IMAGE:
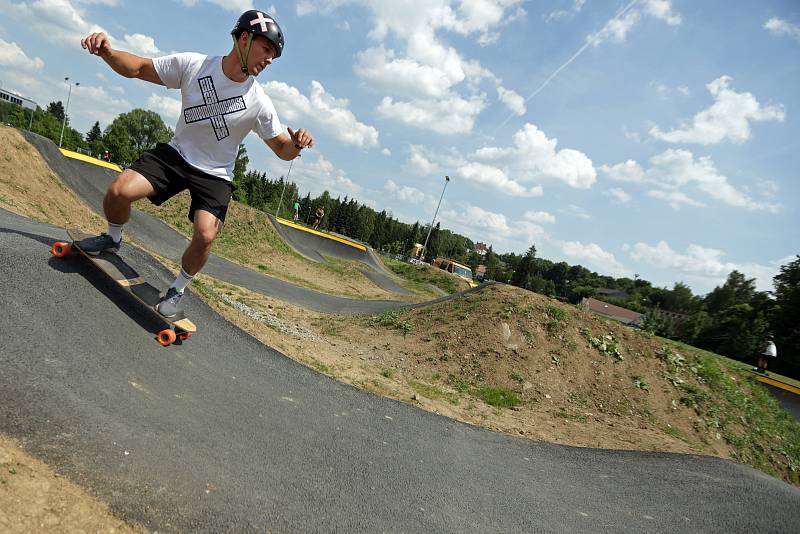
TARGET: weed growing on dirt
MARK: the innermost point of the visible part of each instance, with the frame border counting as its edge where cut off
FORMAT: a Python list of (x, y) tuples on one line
[(606, 344), (390, 319), (640, 383)]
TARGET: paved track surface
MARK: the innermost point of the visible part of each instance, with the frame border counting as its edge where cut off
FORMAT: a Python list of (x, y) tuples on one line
[(317, 248), (223, 434)]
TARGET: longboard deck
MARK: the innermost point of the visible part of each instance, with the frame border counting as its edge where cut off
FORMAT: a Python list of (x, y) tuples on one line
[(130, 280)]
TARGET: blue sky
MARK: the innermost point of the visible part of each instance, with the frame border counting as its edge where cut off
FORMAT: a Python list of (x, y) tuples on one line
[(649, 137)]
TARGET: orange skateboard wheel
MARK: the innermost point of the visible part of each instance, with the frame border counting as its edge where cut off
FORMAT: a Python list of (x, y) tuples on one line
[(166, 337), (184, 336), (61, 249)]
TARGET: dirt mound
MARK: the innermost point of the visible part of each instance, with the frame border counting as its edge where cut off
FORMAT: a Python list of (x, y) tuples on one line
[(522, 363), (29, 187)]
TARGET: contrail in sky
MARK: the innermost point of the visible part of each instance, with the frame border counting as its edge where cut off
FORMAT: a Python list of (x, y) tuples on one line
[(570, 60)]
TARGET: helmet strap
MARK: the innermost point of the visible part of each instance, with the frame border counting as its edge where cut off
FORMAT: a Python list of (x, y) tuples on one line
[(243, 60)]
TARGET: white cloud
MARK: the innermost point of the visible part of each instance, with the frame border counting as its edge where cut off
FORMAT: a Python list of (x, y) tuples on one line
[(404, 193), (561, 14), (534, 158), (594, 256), (321, 110), (629, 171), (674, 169), (12, 56), (419, 163), (675, 198), (492, 227), (618, 194), (316, 174), (728, 118), (515, 170), (617, 29), (141, 45), (429, 81), (512, 100), (386, 152), (665, 91), (778, 26), (705, 263), (62, 22), (84, 102), (495, 177), (401, 76), (169, 108), (539, 217), (575, 211), (453, 115)]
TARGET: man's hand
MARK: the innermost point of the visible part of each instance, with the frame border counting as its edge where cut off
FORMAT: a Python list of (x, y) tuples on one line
[(96, 43), (301, 138)]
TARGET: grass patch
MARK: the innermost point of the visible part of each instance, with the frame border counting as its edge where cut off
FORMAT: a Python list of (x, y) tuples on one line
[(433, 392), (498, 397), (389, 319), (421, 276)]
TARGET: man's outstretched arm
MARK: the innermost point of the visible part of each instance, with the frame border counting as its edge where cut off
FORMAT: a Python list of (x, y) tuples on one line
[(288, 146), (123, 63)]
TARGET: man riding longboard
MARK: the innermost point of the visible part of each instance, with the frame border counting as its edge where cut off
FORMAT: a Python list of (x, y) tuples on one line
[(221, 104)]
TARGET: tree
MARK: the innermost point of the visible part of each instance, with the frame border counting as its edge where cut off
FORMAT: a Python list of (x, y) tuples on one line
[(94, 139), (132, 133), (784, 317), (56, 109), (240, 166)]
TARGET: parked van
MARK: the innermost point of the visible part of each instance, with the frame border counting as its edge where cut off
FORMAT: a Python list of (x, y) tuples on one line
[(453, 267)]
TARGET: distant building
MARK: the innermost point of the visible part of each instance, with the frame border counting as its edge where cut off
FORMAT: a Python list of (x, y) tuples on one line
[(613, 293), (617, 313), (481, 249), (14, 98)]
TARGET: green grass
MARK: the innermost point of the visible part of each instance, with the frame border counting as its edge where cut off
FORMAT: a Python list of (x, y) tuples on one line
[(739, 409), (420, 276), (391, 319), (499, 397)]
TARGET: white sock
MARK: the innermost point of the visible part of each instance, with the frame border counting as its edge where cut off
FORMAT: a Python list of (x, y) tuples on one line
[(115, 231), (182, 281)]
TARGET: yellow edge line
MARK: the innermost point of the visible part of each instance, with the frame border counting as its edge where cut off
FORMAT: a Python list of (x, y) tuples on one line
[(778, 384), (321, 234), (89, 159)]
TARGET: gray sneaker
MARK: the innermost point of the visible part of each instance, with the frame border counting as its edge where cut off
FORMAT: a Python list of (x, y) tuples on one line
[(98, 244), (170, 304)]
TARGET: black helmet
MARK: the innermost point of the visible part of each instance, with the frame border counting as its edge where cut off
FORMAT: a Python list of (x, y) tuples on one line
[(258, 23)]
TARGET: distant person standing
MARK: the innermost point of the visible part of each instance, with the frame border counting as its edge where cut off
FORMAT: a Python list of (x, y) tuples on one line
[(769, 351), (296, 216), (320, 213)]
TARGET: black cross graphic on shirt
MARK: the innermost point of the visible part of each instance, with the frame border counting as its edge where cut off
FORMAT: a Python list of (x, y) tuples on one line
[(213, 109)]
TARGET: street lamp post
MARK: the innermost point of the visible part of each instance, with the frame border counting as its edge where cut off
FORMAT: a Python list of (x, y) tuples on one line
[(64, 122), (425, 246)]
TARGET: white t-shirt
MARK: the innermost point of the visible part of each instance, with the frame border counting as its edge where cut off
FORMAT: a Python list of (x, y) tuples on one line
[(216, 112), (770, 350)]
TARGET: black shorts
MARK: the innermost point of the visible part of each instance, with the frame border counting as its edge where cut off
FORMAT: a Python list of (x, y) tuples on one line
[(170, 174)]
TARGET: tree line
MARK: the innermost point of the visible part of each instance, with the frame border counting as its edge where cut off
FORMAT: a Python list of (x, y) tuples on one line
[(732, 320)]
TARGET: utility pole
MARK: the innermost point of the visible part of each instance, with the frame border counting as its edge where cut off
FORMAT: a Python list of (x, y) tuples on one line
[(425, 246), (64, 122)]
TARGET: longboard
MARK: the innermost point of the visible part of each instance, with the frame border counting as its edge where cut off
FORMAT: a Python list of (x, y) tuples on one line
[(129, 280)]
